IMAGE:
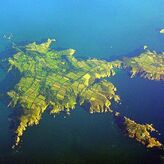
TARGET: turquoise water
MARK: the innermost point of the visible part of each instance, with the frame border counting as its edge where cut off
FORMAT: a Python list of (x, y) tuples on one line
[(96, 28)]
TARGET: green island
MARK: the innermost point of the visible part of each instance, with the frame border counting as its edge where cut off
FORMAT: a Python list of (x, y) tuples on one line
[(55, 81)]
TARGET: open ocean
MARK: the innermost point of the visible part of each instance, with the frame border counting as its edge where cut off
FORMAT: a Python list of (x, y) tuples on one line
[(103, 29)]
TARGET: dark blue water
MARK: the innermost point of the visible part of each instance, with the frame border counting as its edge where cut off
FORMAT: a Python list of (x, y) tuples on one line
[(96, 28)]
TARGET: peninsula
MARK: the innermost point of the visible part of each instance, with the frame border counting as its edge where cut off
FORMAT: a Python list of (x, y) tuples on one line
[(149, 65)]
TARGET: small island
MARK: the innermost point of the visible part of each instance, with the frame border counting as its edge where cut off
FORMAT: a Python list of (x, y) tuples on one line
[(162, 31), (141, 132)]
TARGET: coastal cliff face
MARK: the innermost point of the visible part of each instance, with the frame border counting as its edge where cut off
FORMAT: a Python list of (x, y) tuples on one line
[(56, 81)]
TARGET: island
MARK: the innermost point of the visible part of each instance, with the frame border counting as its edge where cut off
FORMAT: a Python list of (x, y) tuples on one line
[(141, 132), (162, 31), (56, 81)]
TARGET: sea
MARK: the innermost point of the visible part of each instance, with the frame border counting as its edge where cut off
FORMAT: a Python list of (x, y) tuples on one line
[(102, 29)]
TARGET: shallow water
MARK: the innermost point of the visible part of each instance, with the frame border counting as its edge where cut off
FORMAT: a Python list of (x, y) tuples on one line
[(103, 29)]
